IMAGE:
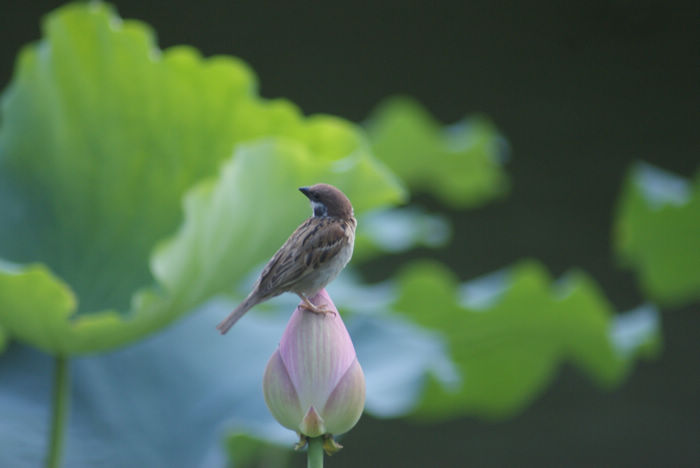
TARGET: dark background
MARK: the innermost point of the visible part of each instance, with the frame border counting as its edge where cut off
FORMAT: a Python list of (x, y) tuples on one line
[(580, 90)]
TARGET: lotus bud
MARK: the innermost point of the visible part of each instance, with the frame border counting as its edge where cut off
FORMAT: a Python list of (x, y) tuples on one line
[(313, 383)]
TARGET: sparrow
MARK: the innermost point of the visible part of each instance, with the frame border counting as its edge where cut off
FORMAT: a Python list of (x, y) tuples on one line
[(312, 256)]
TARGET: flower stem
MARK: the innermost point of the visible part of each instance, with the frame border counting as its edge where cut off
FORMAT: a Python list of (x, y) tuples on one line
[(315, 453), (61, 396)]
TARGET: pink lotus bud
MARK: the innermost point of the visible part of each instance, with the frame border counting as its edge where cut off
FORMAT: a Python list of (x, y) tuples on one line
[(313, 383)]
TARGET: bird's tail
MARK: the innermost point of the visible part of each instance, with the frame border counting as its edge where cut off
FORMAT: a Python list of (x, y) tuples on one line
[(237, 313)]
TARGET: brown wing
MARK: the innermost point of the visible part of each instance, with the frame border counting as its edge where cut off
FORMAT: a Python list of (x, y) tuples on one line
[(315, 241)]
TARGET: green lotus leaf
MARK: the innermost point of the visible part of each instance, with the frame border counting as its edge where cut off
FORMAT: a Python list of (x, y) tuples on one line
[(102, 134), (249, 451), (462, 164), (657, 233), (229, 228), (508, 333), (26, 292)]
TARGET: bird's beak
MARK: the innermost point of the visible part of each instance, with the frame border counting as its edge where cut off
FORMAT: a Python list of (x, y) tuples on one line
[(305, 191)]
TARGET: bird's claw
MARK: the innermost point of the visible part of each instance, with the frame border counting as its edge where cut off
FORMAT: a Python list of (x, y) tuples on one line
[(308, 305)]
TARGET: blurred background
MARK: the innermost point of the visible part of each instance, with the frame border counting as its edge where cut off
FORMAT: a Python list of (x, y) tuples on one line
[(580, 90)]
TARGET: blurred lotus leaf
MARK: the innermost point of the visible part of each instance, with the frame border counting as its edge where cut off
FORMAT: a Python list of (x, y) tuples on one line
[(136, 184), (657, 233), (462, 164), (102, 134), (508, 333)]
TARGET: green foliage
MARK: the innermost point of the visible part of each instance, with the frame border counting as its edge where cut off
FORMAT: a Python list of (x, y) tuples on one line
[(250, 452), (102, 135), (138, 184), (3, 339), (657, 233), (461, 163), (510, 332), (25, 292)]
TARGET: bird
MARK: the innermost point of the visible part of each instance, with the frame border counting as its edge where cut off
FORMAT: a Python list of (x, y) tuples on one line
[(312, 257)]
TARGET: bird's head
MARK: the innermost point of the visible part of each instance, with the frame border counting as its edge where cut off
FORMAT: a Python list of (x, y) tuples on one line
[(327, 200)]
